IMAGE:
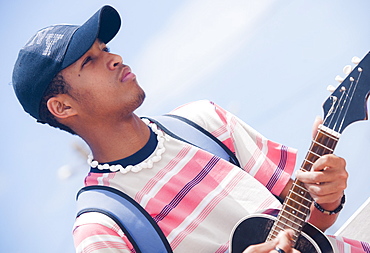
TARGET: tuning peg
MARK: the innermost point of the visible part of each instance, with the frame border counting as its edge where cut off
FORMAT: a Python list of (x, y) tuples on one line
[(347, 69), (356, 60), (339, 79), (330, 88)]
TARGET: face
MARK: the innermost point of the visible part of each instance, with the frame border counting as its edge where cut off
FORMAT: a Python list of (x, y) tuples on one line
[(102, 86)]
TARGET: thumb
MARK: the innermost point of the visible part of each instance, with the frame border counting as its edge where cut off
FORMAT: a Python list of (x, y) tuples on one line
[(316, 123)]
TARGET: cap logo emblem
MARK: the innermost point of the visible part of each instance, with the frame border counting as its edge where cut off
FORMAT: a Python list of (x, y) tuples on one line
[(43, 37)]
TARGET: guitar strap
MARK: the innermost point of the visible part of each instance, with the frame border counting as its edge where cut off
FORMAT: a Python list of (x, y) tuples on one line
[(142, 231), (139, 227), (190, 132)]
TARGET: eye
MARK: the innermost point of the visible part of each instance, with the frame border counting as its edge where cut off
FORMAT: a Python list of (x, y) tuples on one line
[(106, 49), (87, 59)]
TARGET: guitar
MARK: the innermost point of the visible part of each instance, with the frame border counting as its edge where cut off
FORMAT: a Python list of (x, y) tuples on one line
[(347, 104)]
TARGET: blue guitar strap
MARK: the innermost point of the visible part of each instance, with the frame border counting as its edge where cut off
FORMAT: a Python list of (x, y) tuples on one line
[(139, 227), (178, 127)]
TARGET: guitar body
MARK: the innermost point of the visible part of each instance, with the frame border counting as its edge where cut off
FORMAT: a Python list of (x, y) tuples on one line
[(255, 228)]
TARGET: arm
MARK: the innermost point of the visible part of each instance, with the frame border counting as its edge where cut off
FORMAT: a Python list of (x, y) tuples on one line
[(96, 232)]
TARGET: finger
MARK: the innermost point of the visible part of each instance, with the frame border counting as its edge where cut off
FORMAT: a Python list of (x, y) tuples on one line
[(327, 168), (262, 247), (329, 161), (324, 191), (284, 241), (326, 198), (316, 123), (327, 179)]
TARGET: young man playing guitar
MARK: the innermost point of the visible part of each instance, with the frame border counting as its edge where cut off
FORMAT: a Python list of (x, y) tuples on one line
[(65, 76)]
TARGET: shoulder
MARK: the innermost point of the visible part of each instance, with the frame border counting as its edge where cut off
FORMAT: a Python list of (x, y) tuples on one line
[(203, 112), (196, 107)]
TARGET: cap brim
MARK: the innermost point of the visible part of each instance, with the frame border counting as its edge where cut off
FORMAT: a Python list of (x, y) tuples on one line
[(104, 24)]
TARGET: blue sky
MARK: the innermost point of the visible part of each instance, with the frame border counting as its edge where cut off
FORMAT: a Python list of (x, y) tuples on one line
[(267, 61)]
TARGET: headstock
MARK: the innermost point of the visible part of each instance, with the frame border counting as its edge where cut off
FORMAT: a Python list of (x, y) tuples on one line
[(347, 103)]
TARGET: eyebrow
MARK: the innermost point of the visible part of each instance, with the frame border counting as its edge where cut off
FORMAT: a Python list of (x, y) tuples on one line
[(84, 59)]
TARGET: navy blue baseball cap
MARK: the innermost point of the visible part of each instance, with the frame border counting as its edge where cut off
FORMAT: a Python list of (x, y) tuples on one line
[(54, 48)]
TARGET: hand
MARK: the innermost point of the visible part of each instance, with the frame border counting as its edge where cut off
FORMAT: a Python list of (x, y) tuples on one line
[(327, 179), (282, 241)]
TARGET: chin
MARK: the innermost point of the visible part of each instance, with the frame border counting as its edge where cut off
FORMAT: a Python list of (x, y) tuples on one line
[(141, 97)]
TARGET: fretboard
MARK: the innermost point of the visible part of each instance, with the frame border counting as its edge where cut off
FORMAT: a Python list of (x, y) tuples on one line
[(296, 206)]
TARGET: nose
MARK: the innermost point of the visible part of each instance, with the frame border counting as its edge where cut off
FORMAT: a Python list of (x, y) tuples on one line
[(114, 61)]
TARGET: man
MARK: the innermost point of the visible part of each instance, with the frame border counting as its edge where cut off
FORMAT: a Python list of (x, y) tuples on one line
[(73, 82)]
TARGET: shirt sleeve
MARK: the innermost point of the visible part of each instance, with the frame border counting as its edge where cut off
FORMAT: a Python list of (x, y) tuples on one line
[(271, 163), (345, 245), (95, 232)]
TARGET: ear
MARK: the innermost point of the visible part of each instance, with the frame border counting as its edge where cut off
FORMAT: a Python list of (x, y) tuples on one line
[(61, 107)]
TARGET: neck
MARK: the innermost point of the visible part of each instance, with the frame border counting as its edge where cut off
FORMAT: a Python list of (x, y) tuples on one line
[(114, 141)]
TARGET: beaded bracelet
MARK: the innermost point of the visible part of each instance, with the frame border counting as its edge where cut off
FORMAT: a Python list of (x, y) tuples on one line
[(336, 210)]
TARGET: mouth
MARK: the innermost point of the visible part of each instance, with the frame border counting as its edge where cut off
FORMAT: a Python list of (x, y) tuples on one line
[(126, 74)]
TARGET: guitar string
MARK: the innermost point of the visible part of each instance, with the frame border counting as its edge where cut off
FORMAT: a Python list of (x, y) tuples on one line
[(342, 103), (351, 97), (277, 225), (337, 105), (342, 106)]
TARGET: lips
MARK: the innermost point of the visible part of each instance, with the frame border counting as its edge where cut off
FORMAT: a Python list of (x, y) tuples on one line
[(126, 73)]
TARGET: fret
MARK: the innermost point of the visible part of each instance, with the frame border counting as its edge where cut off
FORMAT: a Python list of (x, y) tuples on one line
[(282, 224), (301, 195), (300, 186), (313, 153), (307, 167), (294, 210), (299, 207), (277, 228), (274, 234), (295, 217), (319, 151), (323, 146), (299, 203), (326, 139), (300, 191), (308, 161)]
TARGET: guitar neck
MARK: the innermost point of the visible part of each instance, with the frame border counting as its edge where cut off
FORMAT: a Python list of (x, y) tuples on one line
[(296, 206)]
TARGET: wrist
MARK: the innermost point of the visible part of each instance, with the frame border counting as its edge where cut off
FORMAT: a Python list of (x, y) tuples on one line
[(331, 212)]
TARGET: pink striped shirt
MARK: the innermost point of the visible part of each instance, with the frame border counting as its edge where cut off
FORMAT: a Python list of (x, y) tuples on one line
[(195, 197)]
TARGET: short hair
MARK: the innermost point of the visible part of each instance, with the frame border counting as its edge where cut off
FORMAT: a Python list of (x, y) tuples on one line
[(57, 86)]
